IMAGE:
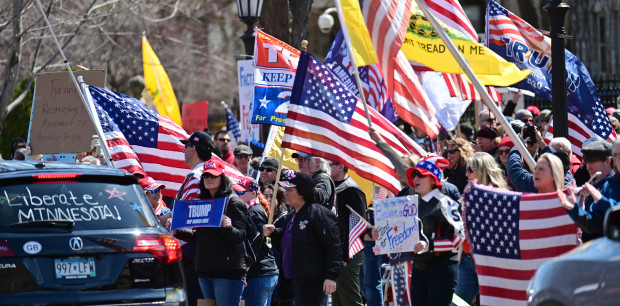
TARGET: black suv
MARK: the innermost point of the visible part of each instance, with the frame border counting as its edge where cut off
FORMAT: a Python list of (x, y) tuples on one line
[(81, 234)]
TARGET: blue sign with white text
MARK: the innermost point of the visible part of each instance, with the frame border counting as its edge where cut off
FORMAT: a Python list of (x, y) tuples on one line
[(200, 213)]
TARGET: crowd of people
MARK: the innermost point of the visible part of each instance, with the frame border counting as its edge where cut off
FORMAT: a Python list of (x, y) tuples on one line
[(302, 256)]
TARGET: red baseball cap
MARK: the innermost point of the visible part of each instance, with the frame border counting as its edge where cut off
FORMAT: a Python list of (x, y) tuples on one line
[(148, 183), (213, 167)]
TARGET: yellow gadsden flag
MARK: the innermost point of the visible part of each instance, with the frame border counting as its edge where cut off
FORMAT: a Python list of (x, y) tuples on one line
[(157, 83), (423, 45), (360, 38), (274, 150)]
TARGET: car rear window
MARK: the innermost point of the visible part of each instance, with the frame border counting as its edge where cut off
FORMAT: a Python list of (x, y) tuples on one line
[(91, 205)]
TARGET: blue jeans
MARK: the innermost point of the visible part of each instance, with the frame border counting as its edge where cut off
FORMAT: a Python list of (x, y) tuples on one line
[(372, 276), (259, 290), (467, 284), (223, 291)]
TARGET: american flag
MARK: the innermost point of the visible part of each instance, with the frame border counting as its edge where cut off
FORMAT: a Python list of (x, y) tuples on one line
[(401, 282), (451, 13), (232, 125), (325, 119), (140, 140), (387, 22), (372, 80), (357, 227), (460, 87), (511, 235), (586, 115)]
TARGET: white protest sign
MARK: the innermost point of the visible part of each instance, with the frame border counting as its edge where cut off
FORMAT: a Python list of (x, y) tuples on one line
[(396, 222), (249, 131)]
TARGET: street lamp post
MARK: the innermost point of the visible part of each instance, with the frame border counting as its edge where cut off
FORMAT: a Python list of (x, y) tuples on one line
[(249, 13), (556, 10)]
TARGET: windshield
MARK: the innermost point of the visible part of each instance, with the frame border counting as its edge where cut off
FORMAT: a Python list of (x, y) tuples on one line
[(91, 205)]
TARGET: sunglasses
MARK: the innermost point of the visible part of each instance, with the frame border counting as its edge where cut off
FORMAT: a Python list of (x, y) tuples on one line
[(188, 145), (502, 152), (452, 151), (223, 139), (154, 191), (240, 192), (334, 164), (527, 120), (209, 175), (418, 174), (243, 156), (266, 170)]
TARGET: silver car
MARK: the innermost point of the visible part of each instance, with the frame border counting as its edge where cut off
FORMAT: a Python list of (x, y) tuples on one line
[(588, 275)]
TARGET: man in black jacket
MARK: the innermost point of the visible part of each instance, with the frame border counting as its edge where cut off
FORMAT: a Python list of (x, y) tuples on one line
[(348, 193), (310, 243)]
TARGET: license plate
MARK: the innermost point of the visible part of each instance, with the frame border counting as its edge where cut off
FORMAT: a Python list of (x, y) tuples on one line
[(74, 268)]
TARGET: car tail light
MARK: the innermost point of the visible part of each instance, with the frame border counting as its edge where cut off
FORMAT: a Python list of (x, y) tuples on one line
[(166, 248), (56, 176), (5, 249)]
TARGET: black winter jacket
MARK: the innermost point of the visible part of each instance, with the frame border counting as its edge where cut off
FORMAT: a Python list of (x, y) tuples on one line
[(316, 243), (220, 252), (265, 264)]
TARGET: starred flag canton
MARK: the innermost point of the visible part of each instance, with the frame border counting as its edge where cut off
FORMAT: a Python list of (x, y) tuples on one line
[(325, 93), (496, 9), (232, 124), (493, 220), (597, 119), (137, 122)]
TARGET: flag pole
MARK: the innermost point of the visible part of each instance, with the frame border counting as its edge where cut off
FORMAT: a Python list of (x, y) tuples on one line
[(347, 38), (486, 98), (90, 107), (79, 88)]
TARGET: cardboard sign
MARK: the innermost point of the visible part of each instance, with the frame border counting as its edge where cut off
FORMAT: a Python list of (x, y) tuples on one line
[(202, 213), (397, 224), (195, 116), (249, 131), (60, 122)]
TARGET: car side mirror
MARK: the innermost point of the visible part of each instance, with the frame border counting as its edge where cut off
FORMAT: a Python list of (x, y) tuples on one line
[(612, 223)]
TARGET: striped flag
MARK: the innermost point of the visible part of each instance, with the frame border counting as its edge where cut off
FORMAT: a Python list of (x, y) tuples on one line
[(357, 227), (451, 13), (387, 22), (401, 282), (518, 42), (511, 235), (140, 140), (460, 87), (325, 119), (232, 125)]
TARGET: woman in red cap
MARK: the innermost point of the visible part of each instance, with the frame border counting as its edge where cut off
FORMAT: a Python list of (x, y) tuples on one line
[(435, 256), (220, 254)]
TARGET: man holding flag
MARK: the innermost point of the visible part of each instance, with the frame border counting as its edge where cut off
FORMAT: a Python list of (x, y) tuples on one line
[(349, 197)]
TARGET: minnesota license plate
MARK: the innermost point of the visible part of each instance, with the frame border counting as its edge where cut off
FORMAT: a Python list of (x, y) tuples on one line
[(74, 268)]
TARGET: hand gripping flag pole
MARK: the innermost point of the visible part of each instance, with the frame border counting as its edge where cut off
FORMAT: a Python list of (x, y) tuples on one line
[(80, 89), (486, 98)]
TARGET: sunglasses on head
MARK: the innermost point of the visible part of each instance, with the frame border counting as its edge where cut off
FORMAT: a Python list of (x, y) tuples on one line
[(502, 152), (224, 139), (209, 175), (266, 170)]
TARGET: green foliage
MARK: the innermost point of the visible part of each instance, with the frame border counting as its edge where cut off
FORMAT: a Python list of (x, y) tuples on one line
[(17, 122)]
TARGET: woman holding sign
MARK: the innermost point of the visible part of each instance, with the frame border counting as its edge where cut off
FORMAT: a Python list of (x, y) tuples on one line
[(435, 256), (310, 243), (220, 255)]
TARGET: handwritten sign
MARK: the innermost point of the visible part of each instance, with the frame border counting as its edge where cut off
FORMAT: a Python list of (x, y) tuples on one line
[(195, 116), (34, 204), (249, 131), (60, 121), (202, 213), (396, 222)]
